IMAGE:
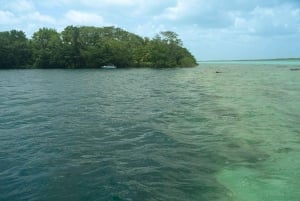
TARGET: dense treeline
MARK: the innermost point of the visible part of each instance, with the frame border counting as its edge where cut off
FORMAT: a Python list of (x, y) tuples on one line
[(91, 47)]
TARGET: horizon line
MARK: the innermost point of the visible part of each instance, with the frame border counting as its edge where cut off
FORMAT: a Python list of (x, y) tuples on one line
[(265, 59)]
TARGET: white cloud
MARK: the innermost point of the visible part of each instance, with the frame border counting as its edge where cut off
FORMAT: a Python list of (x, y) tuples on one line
[(56, 3), (23, 12), (202, 25), (268, 21), (180, 10), (176, 12), (19, 6), (7, 17), (105, 3), (119, 2), (38, 17), (84, 18), (203, 13), (10, 19)]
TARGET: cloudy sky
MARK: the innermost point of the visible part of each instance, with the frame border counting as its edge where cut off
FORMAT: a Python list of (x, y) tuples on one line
[(210, 29)]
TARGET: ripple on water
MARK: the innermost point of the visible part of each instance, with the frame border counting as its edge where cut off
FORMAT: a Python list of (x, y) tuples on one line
[(144, 134)]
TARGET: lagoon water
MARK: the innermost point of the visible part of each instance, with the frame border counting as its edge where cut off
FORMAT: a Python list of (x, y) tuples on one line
[(145, 134)]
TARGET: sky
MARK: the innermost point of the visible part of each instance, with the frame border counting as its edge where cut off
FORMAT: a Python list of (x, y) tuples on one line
[(210, 29)]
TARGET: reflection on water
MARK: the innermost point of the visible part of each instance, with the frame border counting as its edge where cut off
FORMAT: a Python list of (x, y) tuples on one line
[(143, 134)]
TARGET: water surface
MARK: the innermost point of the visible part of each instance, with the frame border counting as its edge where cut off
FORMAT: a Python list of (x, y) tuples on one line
[(144, 134)]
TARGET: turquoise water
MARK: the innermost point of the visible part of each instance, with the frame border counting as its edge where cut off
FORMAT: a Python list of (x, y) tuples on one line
[(144, 134), (276, 62)]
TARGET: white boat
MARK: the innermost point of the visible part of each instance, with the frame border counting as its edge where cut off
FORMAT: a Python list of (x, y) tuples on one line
[(109, 67)]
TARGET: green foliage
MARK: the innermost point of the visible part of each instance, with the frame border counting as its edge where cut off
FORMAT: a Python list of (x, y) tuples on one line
[(15, 50), (47, 49), (91, 47)]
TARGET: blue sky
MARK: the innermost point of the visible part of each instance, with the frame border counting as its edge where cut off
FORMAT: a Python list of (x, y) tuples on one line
[(210, 29)]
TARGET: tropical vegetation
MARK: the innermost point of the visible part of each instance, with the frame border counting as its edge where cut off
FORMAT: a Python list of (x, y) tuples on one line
[(91, 47)]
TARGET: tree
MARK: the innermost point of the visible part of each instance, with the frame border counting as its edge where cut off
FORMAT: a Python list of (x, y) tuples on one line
[(47, 49), (170, 38), (166, 50), (14, 50), (72, 46), (91, 47)]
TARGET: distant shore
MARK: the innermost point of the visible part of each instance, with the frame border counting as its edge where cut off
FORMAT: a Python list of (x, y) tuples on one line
[(252, 60)]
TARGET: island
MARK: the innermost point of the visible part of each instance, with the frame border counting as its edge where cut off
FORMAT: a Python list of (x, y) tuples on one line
[(91, 47)]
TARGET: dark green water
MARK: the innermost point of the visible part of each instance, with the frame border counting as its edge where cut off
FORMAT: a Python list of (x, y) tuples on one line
[(143, 134)]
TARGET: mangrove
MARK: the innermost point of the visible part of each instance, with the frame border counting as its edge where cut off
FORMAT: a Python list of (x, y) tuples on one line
[(91, 47)]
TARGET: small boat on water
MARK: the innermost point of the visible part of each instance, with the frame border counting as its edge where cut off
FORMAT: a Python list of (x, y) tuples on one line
[(111, 66)]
